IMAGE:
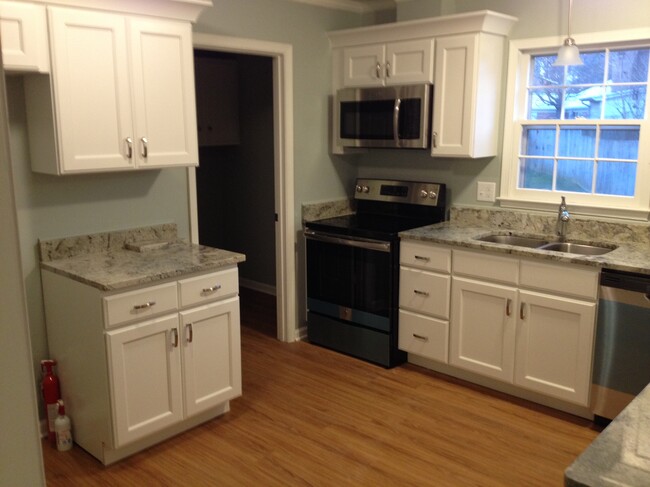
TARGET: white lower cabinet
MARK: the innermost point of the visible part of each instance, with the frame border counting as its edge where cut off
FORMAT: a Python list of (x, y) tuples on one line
[(541, 341), (140, 366), (553, 350), (517, 321), (145, 378), (483, 328)]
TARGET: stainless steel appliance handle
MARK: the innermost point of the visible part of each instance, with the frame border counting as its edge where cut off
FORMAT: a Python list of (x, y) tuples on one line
[(363, 243), (398, 102)]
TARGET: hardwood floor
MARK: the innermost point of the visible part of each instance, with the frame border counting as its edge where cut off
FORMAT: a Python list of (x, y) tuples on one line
[(310, 416)]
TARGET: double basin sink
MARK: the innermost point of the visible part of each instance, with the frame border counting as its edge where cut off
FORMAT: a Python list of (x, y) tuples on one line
[(544, 244)]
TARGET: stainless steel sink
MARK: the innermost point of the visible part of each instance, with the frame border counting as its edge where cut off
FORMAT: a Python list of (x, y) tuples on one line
[(546, 244), (516, 240), (576, 248)]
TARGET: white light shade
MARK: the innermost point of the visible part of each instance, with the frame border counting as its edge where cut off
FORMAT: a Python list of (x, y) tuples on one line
[(568, 55)]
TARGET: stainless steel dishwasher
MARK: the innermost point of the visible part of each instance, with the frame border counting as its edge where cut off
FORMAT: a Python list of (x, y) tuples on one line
[(622, 351)]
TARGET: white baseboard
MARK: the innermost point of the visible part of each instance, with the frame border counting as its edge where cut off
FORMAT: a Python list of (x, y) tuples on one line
[(257, 286), (301, 333)]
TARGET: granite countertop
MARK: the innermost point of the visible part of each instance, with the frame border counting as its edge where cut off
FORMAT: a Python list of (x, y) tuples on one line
[(119, 260), (620, 455), (627, 256)]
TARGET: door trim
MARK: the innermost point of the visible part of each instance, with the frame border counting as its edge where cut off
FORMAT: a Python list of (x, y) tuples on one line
[(285, 244)]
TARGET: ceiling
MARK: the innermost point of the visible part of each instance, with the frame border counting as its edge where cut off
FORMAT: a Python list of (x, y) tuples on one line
[(359, 6)]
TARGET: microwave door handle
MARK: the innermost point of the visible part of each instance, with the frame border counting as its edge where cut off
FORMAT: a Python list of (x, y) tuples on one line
[(398, 102)]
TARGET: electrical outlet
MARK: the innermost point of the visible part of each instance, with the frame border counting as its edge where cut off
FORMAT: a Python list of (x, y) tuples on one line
[(486, 191)]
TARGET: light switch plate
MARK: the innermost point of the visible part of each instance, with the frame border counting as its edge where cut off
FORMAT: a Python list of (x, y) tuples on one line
[(486, 191)]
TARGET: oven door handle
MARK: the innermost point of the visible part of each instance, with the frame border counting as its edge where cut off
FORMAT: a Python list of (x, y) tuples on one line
[(363, 243)]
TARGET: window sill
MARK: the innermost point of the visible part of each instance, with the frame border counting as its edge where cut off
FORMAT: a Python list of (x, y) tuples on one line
[(637, 215)]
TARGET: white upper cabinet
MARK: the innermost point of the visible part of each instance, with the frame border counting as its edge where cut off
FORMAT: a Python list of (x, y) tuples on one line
[(23, 33), (389, 64), (462, 55), (122, 95), (467, 95)]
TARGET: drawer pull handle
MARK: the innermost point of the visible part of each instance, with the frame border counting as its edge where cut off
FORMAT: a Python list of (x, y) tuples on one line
[(522, 308), (129, 147), (422, 258), (174, 332), (146, 305), (421, 293), (378, 70), (421, 337), (190, 332), (211, 289), (145, 147), (508, 305)]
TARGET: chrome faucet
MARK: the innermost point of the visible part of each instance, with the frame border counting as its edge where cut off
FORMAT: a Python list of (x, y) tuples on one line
[(563, 218)]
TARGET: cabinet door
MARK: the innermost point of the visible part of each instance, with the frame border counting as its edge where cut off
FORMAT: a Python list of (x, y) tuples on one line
[(554, 346), (163, 88), (211, 355), (363, 65), (23, 31), (409, 62), (453, 100), (483, 328), (145, 378), (92, 96)]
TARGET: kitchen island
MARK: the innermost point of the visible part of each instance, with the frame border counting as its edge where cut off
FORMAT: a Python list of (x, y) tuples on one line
[(620, 455)]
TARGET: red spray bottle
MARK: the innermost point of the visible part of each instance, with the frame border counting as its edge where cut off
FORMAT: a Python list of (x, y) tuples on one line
[(51, 396)]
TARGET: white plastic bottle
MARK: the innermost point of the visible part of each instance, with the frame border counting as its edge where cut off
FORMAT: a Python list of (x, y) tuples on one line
[(62, 429)]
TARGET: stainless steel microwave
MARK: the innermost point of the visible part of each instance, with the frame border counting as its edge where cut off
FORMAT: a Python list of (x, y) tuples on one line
[(394, 116)]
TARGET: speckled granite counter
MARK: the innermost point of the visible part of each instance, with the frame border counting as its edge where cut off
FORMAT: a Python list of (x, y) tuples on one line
[(620, 455), (103, 261), (632, 240)]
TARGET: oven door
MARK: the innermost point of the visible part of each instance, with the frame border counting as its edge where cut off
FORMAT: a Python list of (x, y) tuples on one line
[(349, 279)]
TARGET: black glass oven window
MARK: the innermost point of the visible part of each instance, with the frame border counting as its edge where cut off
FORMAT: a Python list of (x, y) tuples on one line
[(349, 276), (373, 120)]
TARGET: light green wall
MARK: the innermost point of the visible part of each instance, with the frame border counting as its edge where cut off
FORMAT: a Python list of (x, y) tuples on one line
[(58, 206), (536, 19)]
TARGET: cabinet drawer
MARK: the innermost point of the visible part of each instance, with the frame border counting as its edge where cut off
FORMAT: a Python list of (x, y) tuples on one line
[(570, 280), (487, 266), (140, 304), (424, 336), (425, 256), (208, 287), (424, 292)]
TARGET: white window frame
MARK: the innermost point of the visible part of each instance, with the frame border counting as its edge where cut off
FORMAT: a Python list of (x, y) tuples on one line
[(633, 208)]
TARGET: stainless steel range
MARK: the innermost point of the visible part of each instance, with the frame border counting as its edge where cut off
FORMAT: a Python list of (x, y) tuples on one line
[(353, 267)]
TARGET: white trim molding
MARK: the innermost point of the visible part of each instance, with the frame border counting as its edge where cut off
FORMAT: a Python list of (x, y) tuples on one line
[(635, 208), (285, 235)]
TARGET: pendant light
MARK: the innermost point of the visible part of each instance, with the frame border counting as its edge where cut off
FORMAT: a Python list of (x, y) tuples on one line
[(568, 55)]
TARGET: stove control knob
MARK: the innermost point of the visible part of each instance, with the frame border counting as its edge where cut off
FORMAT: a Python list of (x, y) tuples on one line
[(432, 195), (424, 193), (358, 188), (365, 189)]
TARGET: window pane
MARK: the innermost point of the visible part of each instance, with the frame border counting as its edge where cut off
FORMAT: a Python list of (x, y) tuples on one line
[(627, 102), (583, 103), (536, 173), (629, 65), (544, 73), (574, 176), (577, 141), (617, 178), (544, 104), (619, 143), (592, 71), (538, 141)]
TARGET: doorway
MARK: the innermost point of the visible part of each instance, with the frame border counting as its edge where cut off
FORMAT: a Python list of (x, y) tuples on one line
[(237, 202)]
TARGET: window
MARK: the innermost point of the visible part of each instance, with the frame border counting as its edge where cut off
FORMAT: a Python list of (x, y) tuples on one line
[(578, 131)]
